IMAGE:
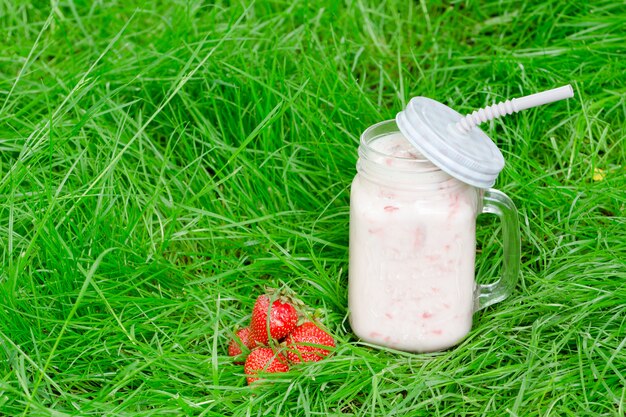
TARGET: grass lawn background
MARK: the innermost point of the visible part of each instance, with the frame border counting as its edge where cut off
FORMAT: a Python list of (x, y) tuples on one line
[(161, 163)]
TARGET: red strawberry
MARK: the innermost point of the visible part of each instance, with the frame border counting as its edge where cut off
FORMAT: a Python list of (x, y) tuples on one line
[(282, 320), (301, 339), (241, 339), (266, 360)]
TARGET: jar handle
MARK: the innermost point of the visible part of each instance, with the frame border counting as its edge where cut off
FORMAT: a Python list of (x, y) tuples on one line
[(498, 203)]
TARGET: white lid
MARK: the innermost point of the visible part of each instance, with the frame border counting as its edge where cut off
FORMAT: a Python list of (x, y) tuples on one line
[(470, 156)]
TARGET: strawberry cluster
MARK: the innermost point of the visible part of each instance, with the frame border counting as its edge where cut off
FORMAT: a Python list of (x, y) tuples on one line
[(279, 335)]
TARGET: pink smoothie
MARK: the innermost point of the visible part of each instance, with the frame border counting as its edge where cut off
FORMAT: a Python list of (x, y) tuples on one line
[(412, 250)]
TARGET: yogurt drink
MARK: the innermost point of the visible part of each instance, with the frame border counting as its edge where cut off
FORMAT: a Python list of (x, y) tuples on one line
[(421, 182), (412, 247)]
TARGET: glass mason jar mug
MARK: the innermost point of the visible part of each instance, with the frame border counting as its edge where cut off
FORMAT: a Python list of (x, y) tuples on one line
[(413, 245)]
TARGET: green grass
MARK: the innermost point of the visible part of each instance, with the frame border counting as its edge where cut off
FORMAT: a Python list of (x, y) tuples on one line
[(161, 163)]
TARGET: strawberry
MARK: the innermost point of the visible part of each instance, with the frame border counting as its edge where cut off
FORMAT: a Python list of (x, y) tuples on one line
[(283, 318), (300, 340), (266, 360), (239, 342)]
